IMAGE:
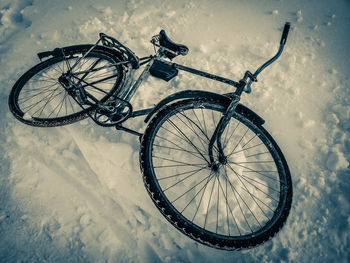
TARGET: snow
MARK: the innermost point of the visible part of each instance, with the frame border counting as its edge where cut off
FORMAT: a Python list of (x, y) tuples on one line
[(75, 193)]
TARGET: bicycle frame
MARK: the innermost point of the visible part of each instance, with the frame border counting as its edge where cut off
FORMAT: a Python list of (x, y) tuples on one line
[(129, 89)]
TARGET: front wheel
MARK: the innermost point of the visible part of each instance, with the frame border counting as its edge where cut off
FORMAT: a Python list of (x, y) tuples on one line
[(237, 204)]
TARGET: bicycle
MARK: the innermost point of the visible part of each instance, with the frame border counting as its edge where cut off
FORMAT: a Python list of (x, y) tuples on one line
[(208, 164)]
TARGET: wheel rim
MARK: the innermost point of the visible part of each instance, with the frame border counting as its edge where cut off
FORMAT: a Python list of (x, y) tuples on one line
[(239, 199), (43, 98)]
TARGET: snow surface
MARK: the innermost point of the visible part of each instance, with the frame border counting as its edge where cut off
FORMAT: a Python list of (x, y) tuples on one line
[(75, 193)]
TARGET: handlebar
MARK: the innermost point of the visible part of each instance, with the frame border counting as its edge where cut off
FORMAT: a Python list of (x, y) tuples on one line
[(285, 33), (253, 77)]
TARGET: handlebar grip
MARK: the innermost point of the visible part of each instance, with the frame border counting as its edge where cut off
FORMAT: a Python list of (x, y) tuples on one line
[(285, 33)]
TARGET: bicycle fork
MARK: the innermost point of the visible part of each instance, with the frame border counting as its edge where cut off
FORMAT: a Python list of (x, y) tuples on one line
[(218, 133)]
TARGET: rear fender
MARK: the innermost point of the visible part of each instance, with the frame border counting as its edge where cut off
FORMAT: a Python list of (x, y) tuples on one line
[(186, 94), (68, 51)]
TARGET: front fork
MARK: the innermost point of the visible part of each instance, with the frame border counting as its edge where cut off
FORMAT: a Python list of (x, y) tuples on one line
[(223, 124), (218, 133)]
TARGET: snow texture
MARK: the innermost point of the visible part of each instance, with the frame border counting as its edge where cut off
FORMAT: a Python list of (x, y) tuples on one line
[(75, 193)]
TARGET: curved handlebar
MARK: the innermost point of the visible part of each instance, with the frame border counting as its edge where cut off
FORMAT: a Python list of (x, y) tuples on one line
[(285, 33), (253, 77)]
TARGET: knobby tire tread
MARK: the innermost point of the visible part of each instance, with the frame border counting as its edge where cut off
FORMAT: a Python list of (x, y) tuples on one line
[(173, 216)]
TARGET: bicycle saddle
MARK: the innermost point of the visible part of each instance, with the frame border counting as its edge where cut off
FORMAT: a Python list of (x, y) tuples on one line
[(166, 42)]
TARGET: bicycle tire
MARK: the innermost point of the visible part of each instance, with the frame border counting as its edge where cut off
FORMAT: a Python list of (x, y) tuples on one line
[(38, 99), (168, 154)]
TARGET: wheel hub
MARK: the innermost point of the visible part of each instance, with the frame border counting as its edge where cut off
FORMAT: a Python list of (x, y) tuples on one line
[(223, 159), (215, 166), (65, 82), (74, 89)]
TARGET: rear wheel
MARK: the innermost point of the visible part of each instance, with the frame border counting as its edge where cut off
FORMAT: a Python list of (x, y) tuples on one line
[(238, 204), (41, 97)]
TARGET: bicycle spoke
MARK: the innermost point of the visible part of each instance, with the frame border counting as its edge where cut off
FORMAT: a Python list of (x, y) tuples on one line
[(239, 141), (211, 193), (257, 154), (91, 67), (50, 99), (175, 175), (225, 142), (200, 190), (255, 162), (199, 123), (273, 189), (70, 103), (179, 147), (200, 201), (38, 102), (178, 165), (217, 207), (182, 181), (188, 140), (245, 149), (192, 129), (82, 61), (64, 101), (61, 68), (257, 189), (58, 71), (251, 195), (38, 90), (249, 141), (166, 159), (212, 114), (227, 131), (93, 74), (199, 126), (65, 105), (255, 197), (45, 90), (43, 79), (88, 68), (228, 206), (228, 222), (58, 105), (258, 172), (50, 74), (239, 204)]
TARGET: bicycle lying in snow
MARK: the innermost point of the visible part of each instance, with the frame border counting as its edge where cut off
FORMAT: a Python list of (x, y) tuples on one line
[(208, 164)]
